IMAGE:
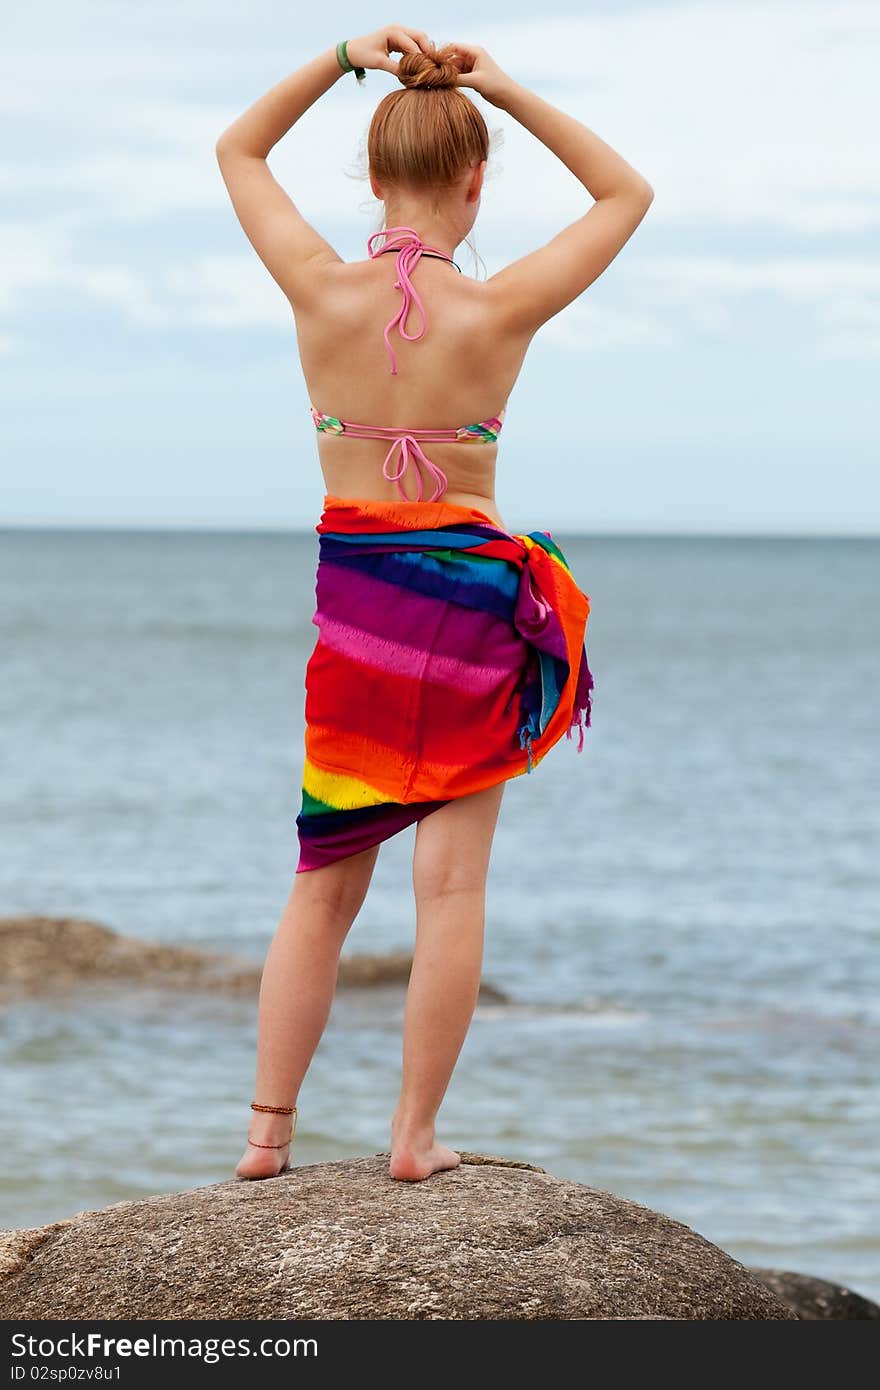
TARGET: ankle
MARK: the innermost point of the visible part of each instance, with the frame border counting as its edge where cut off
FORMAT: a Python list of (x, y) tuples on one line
[(271, 1125), (413, 1130), (269, 1129)]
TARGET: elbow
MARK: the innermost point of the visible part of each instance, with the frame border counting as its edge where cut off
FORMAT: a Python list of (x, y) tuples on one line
[(636, 192), (227, 144)]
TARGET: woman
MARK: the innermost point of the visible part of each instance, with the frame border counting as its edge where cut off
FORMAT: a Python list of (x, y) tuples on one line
[(450, 654)]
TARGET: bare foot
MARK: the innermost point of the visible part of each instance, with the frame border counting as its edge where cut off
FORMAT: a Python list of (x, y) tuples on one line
[(416, 1155), (412, 1165), (262, 1163), (266, 1163)]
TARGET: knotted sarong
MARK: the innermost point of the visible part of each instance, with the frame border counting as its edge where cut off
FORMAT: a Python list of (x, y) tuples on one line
[(450, 656)]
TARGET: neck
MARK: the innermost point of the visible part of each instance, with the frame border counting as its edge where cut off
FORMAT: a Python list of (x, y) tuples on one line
[(432, 232)]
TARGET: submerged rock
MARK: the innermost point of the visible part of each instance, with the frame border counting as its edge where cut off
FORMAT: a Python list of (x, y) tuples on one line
[(41, 954), (492, 1239), (813, 1298)]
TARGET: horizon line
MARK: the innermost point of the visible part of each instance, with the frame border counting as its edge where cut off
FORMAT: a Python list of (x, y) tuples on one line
[(190, 528)]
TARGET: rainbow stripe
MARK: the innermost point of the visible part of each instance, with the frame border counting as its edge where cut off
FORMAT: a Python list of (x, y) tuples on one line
[(450, 656), (483, 432)]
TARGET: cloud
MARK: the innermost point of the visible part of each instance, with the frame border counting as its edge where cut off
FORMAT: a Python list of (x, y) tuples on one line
[(752, 114), (34, 253), (749, 114), (223, 291), (750, 120), (742, 314)]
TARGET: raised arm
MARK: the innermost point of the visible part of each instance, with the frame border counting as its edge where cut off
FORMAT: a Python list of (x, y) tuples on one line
[(287, 244), (292, 250), (531, 290)]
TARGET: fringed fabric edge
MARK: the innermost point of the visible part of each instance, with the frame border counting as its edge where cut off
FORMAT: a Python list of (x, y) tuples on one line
[(583, 704)]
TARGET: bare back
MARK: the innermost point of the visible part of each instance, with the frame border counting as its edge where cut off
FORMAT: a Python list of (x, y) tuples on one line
[(461, 370)]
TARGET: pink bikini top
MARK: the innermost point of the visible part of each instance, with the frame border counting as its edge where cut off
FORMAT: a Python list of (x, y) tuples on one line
[(410, 249)]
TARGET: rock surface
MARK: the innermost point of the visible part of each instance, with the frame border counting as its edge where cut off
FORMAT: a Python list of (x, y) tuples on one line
[(42, 954), (490, 1240), (813, 1298)]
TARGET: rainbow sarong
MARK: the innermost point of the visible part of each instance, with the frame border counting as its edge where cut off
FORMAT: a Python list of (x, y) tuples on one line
[(450, 656)]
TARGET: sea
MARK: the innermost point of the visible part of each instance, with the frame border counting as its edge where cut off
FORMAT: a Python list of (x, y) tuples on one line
[(684, 917)]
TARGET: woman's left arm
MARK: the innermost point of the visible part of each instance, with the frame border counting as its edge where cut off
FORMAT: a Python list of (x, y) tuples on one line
[(289, 247)]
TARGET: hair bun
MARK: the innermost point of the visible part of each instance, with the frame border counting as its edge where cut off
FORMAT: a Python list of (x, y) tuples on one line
[(427, 70)]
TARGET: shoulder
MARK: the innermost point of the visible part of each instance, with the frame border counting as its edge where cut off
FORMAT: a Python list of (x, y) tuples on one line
[(325, 281)]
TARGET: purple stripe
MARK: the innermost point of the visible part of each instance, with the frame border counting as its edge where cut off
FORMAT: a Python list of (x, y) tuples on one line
[(425, 623), (377, 823)]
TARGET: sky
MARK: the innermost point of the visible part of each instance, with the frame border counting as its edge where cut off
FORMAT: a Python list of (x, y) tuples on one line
[(717, 377)]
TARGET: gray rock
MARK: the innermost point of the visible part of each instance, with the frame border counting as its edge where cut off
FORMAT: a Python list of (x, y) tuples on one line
[(490, 1240), (813, 1298), (39, 955)]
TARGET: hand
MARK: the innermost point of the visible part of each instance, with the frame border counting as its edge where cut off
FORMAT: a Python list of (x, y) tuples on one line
[(372, 50), (481, 72)]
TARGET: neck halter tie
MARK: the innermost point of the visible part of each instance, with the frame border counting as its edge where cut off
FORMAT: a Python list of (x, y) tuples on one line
[(409, 251)]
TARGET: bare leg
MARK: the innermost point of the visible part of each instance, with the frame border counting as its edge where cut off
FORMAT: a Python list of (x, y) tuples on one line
[(450, 864), (296, 993)]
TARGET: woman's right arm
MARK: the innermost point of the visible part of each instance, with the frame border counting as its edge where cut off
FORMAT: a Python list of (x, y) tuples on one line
[(531, 290)]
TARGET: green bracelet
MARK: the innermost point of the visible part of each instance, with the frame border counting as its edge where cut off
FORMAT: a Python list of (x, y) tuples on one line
[(345, 64)]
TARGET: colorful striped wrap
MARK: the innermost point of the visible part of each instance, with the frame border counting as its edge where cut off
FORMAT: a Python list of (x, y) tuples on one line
[(450, 657)]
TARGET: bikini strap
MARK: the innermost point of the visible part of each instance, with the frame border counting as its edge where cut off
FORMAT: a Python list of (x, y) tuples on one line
[(410, 249)]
